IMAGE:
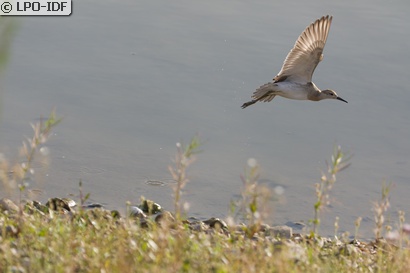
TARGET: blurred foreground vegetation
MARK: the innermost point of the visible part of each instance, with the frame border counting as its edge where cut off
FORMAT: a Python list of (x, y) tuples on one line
[(63, 236), (99, 241)]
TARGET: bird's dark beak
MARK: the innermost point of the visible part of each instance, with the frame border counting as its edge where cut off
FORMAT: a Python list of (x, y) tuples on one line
[(339, 98)]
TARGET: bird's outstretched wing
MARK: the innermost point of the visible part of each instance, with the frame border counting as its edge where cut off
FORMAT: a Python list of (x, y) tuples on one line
[(305, 55)]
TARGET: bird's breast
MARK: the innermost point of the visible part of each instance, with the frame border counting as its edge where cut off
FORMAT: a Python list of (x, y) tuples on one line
[(293, 90)]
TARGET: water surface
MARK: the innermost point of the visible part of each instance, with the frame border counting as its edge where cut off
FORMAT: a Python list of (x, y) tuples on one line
[(133, 78)]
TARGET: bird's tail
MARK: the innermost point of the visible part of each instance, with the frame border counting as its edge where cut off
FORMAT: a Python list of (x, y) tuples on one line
[(263, 93)]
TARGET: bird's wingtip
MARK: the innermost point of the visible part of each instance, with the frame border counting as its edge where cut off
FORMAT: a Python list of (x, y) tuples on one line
[(246, 104)]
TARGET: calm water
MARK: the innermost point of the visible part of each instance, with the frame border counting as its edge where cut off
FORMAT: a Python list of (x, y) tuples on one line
[(132, 79)]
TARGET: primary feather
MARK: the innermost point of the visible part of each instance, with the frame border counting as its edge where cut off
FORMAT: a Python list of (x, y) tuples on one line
[(305, 55)]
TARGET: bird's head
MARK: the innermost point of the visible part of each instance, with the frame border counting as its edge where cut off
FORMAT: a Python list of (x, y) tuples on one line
[(330, 94)]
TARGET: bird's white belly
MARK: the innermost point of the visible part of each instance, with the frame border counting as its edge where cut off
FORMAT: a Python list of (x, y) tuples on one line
[(292, 90)]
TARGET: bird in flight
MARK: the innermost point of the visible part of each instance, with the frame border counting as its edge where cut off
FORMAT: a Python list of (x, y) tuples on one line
[(294, 80)]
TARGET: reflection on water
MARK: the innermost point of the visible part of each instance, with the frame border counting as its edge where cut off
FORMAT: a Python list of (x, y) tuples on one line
[(132, 83)]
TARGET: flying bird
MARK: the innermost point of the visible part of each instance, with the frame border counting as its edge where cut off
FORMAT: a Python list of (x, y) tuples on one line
[(294, 80)]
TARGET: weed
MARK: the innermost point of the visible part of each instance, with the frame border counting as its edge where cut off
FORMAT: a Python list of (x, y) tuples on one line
[(184, 157), (20, 172), (253, 205), (357, 226), (380, 207), (338, 163)]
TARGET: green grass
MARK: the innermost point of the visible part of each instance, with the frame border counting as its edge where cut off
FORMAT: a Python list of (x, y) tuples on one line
[(93, 241)]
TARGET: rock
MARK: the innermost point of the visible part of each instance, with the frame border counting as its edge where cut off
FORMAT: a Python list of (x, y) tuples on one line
[(99, 213), (136, 212), (115, 214), (264, 227), (296, 226), (70, 202), (216, 223), (198, 226), (40, 207), (8, 205), (92, 206), (279, 231), (58, 204), (35, 207), (164, 217), (150, 207)]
